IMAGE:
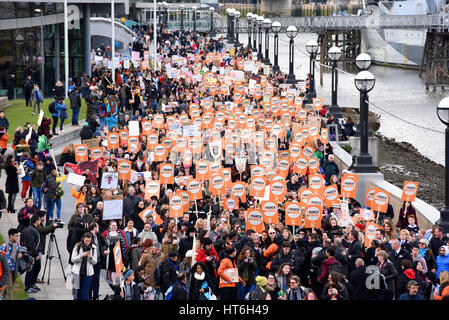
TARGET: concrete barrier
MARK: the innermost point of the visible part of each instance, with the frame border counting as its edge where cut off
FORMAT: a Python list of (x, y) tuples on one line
[(427, 215), (3, 102)]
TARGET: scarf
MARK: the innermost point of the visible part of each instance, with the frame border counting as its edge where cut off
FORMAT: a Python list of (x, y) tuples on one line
[(422, 252), (199, 276)]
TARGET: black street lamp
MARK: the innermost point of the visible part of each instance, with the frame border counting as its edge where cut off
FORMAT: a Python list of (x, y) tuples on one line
[(181, 7), (228, 25), (267, 26), (194, 18), (212, 32), (231, 25), (334, 55), (443, 115), (165, 5), (237, 17), (312, 49), (260, 26), (363, 62), (276, 27), (291, 33), (364, 82), (254, 20), (248, 21)]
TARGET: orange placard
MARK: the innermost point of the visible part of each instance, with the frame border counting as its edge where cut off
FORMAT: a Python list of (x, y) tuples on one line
[(230, 203), (254, 220), (369, 196), (152, 188), (270, 211), (238, 190), (124, 169), (227, 177), (278, 189), (370, 233), (409, 191), (81, 153), (257, 187), (292, 214), (283, 167), (195, 190), (113, 140), (331, 195), (316, 184), (312, 216), (324, 137), (380, 201), (149, 211), (133, 144), (118, 258), (367, 214), (300, 167), (185, 196), (257, 171), (176, 206), (202, 170), (167, 173), (160, 152), (96, 153), (217, 183), (349, 185)]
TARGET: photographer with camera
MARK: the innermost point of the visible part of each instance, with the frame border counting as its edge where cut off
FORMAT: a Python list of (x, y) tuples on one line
[(209, 257), (247, 266), (78, 225), (45, 228), (84, 257)]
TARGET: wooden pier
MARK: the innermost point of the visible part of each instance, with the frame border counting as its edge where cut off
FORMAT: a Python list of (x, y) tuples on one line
[(435, 60)]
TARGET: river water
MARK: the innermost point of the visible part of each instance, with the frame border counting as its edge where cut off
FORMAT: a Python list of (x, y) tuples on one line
[(398, 91)]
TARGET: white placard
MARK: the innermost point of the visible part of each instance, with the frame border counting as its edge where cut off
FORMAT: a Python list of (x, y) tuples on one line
[(126, 64), (116, 62), (98, 58), (113, 209), (109, 180), (76, 179), (176, 127), (41, 116), (134, 176), (134, 128), (109, 64), (190, 131), (147, 175)]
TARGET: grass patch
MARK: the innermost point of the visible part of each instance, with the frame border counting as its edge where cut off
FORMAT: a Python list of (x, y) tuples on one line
[(18, 292), (18, 114)]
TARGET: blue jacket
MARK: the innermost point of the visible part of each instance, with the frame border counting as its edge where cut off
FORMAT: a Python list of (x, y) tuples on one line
[(443, 262), (28, 163), (58, 108), (406, 296), (11, 263), (111, 121)]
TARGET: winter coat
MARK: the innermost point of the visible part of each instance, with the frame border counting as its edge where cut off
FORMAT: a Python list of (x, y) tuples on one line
[(225, 264), (168, 273), (43, 143), (201, 256), (129, 203), (75, 99), (77, 260), (37, 178), (390, 273), (43, 231), (443, 292), (30, 239), (396, 259), (135, 253), (4, 138), (148, 235), (22, 216), (12, 179), (150, 263), (443, 262), (247, 271), (342, 292), (197, 281), (404, 278), (79, 196)]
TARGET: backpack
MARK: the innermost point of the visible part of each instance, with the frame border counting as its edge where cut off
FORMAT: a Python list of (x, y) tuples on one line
[(102, 110), (169, 293), (52, 107)]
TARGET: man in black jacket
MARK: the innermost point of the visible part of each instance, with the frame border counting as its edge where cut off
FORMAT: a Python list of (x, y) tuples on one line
[(86, 132), (130, 202), (438, 239), (169, 271), (102, 252), (75, 105), (30, 239), (179, 291), (397, 254), (186, 244), (27, 86), (354, 249), (358, 281)]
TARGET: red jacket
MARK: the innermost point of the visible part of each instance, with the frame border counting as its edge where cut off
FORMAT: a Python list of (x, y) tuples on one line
[(202, 254), (325, 269)]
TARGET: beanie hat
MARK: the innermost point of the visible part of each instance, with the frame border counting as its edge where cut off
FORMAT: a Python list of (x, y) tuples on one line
[(207, 241), (360, 226), (425, 241), (128, 273), (173, 254), (189, 254), (261, 281)]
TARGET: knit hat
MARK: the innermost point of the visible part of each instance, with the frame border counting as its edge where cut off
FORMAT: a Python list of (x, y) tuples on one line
[(173, 254), (425, 241), (189, 254), (360, 226), (261, 281), (207, 241), (128, 273)]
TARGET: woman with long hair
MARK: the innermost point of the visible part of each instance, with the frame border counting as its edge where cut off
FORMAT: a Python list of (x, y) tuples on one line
[(200, 282), (12, 182), (84, 257), (247, 266), (80, 195), (407, 210), (283, 275), (335, 289), (93, 197), (112, 236)]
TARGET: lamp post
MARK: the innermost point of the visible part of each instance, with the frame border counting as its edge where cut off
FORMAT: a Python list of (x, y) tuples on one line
[(443, 115), (267, 26), (212, 32), (312, 49), (364, 82), (276, 27), (363, 62), (260, 26), (165, 5), (291, 33), (254, 21), (237, 15), (334, 55), (181, 7), (228, 25), (194, 18), (231, 24), (41, 11), (249, 16)]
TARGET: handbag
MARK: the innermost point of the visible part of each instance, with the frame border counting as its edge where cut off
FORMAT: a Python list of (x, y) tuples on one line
[(59, 192)]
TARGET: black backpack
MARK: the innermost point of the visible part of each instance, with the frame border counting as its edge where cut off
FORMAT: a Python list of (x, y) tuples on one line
[(52, 107)]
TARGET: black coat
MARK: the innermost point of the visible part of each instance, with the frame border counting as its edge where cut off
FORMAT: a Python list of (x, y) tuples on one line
[(195, 286), (354, 252), (184, 246), (179, 292), (12, 179), (390, 273), (168, 274), (396, 259), (30, 238), (358, 283)]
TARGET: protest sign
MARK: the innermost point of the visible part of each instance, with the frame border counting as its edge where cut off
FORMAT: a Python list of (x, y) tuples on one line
[(409, 191), (254, 220), (76, 179), (112, 207), (109, 180)]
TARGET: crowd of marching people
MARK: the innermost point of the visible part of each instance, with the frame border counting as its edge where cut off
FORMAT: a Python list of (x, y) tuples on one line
[(212, 247)]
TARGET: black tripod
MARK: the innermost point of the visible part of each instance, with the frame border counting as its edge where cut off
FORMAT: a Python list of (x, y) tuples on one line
[(50, 257)]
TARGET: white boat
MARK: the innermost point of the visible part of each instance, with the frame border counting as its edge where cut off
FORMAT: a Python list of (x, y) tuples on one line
[(398, 47)]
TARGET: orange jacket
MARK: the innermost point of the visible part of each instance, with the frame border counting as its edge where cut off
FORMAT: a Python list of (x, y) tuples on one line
[(445, 293), (4, 141), (226, 263), (269, 253), (79, 196)]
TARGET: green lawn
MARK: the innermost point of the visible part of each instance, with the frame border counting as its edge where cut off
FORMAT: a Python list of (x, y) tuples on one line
[(19, 288), (18, 114)]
